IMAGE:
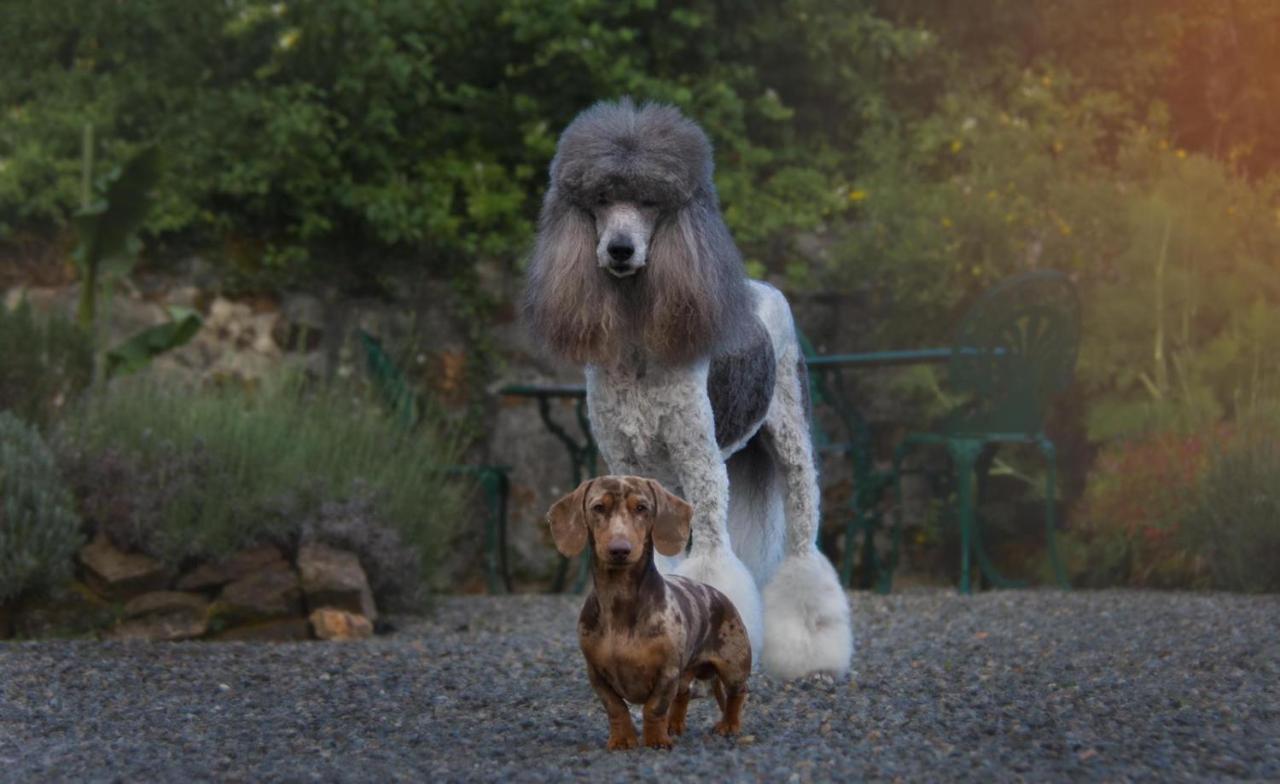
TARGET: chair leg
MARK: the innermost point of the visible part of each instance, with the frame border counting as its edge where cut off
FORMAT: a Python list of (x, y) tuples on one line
[(493, 483), (895, 547), (1050, 490), (846, 560), (964, 455)]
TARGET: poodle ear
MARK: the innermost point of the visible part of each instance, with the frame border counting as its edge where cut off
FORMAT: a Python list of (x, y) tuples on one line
[(697, 284), (563, 292), (569, 522), (671, 518)]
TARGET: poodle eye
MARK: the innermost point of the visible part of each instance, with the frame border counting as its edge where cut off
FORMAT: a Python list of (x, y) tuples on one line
[(649, 204), (602, 200)]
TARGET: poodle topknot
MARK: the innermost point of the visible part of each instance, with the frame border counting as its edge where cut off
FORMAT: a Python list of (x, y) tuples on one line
[(623, 152)]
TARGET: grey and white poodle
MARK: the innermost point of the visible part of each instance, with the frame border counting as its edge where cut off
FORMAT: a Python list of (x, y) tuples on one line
[(694, 373)]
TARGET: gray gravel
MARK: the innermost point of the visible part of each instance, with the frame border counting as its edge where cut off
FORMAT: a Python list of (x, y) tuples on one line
[(1004, 686)]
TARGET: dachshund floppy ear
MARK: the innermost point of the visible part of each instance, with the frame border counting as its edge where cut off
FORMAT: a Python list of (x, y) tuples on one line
[(672, 515), (569, 522)]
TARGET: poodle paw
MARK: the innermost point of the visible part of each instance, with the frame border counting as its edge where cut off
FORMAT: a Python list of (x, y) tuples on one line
[(807, 625)]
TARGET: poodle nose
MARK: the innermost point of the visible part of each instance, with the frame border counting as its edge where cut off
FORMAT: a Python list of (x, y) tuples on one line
[(621, 250), (619, 549)]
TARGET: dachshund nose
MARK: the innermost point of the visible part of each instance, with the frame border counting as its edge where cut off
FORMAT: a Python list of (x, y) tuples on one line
[(619, 550), (621, 250)]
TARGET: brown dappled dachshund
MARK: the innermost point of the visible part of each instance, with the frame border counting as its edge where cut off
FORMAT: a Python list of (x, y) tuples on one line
[(646, 637)]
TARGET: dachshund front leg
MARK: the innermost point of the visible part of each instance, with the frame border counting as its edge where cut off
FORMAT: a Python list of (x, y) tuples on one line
[(657, 713), (622, 733)]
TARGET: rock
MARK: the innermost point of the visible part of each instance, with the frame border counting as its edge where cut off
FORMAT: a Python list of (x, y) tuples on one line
[(279, 630), (242, 564), (331, 624), (71, 611), (266, 594), (120, 575), (163, 615), (162, 602), (333, 578)]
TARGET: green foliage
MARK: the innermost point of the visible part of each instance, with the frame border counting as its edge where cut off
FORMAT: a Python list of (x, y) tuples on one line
[(46, 363), (39, 531), (138, 351), (1235, 521), (107, 225), (198, 474), (345, 136), (1128, 527)]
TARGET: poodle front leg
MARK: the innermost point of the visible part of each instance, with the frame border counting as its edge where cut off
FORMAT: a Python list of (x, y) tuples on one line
[(704, 482), (807, 624)]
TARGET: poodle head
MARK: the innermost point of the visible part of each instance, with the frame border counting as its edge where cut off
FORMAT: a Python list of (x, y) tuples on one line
[(632, 251), (629, 167)]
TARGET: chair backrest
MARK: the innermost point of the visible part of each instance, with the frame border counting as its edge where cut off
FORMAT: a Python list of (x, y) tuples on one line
[(1015, 349)]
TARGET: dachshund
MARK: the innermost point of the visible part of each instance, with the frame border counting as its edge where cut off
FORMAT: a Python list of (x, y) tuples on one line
[(645, 637)]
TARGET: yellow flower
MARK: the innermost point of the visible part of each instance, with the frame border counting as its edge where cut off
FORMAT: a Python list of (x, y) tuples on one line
[(857, 195), (946, 222), (1181, 153), (1058, 145), (288, 39), (956, 145)]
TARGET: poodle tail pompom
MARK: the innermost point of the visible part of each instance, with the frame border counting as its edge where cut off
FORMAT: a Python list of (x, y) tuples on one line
[(722, 570), (807, 622)]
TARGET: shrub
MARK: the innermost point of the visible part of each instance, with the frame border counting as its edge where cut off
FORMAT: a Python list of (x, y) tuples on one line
[(199, 474), (1235, 520), (39, 531), (47, 362), (1127, 528)]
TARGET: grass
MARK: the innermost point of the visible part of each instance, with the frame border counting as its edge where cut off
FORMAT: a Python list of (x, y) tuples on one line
[(216, 469)]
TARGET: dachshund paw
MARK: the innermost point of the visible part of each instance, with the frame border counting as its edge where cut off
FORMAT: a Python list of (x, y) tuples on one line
[(726, 728), (659, 742), (622, 742), (676, 726)]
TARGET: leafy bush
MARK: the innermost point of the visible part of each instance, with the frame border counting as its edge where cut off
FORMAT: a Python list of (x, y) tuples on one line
[(1234, 522), (198, 474), (46, 363), (351, 134), (39, 531), (1128, 527)]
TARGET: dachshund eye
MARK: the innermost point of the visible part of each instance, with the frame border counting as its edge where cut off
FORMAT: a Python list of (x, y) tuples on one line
[(641, 508), (599, 509)]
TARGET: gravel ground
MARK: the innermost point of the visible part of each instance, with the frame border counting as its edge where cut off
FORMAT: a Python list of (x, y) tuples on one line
[(1002, 686)]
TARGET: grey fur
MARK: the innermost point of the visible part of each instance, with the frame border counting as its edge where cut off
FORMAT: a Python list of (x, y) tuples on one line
[(693, 298), (687, 363), (740, 386)]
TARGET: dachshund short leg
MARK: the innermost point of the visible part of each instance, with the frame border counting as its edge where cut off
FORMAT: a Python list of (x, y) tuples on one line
[(731, 721), (731, 693), (680, 706), (622, 733), (657, 714)]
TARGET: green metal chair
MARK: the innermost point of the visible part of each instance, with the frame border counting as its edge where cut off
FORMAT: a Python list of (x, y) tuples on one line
[(494, 481), (1013, 352), (827, 388)]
